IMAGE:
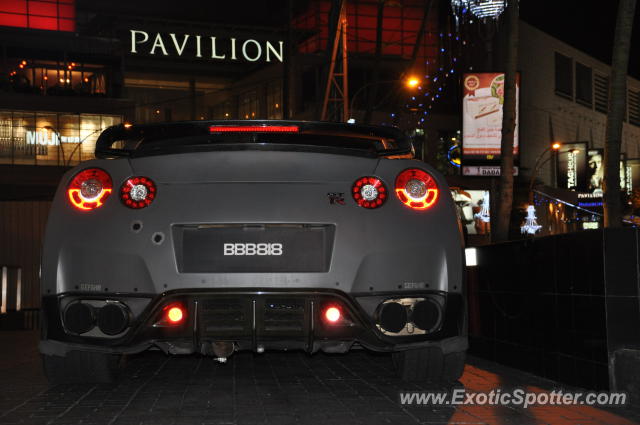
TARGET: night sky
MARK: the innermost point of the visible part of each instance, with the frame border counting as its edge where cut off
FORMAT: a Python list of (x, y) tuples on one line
[(586, 25)]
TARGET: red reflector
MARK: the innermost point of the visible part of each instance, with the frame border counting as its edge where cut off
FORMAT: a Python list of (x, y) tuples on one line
[(253, 129), (332, 314), (175, 315), (89, 189), (417, 189)]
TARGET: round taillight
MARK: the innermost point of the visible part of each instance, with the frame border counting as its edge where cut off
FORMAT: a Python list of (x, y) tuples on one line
[(89, 189), (332, 314), (175, 315), (138, 192), (369, 192), (416, 189)]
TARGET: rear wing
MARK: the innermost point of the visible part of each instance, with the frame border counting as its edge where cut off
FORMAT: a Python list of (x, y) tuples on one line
[(192, 136)]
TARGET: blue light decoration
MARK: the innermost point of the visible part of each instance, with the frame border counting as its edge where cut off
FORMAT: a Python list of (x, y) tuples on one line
[(437, 77)]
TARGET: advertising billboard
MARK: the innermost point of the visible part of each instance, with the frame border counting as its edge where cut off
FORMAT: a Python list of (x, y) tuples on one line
[(482, 105), (633, 174), (582, 170), (572, 166)]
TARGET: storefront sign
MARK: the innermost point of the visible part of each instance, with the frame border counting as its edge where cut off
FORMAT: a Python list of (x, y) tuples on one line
[(482, 104), (487, 170), (49, 138), (197, 46)]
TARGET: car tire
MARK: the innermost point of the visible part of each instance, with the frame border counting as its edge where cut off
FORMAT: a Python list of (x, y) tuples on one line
[(81, 367), (430, 365)]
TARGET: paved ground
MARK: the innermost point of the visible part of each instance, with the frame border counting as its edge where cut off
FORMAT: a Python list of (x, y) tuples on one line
[(273, 388)]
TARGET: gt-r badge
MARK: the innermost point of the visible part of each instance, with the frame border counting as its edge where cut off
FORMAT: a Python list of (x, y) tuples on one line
[(336, 198)]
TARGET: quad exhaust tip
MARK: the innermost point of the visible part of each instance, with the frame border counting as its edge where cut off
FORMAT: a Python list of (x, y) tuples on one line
[(404, 316)]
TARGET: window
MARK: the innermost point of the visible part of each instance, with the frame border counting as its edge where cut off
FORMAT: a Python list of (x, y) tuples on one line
[(56, 15), (248, 105), (564, 76), (634, 107), (222, 111), (601, 93), (45, 138), (274, 100), (584, 85)]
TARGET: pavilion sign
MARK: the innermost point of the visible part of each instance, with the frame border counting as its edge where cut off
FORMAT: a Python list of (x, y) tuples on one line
[(197, 46)]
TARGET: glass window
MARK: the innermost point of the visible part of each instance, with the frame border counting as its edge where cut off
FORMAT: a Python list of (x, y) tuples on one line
[(6, 141), (222, 111), (69, 129), (564, 76), (24, 138), (50, 139), (584, 85), (47, 135), (274, 100), (90, 128), (248, 105)]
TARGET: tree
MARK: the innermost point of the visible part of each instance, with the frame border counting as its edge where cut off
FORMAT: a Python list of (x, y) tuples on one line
[(617, 96), (500, 230)]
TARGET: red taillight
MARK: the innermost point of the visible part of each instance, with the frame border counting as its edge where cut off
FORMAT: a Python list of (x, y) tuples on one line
[(89, 189), (369, 192), (138, 192), (253, 129), (332, 314), (175, 315), (416, 189)]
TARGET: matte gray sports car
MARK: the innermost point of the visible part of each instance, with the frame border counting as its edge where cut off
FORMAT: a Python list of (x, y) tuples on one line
[(213, 237)]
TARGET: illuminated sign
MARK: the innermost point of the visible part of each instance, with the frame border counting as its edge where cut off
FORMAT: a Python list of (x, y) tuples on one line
[(587, 225), (58, 15), (482, 104), (582, 170), (572, 166), (453, 155), (49, 138), (486, 170), (633, 174), (204, 47)]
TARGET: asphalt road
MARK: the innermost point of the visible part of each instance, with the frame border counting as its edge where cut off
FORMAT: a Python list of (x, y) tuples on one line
[(272, 388)]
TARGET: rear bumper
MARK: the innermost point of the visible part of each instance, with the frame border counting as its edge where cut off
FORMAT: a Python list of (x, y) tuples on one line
[(254, 319)]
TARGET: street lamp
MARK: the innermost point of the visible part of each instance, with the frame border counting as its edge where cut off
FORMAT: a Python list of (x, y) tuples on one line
[(555, 147), (411, 83)]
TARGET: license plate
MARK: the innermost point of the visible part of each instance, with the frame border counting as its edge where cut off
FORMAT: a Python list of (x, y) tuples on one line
[(254, 249)]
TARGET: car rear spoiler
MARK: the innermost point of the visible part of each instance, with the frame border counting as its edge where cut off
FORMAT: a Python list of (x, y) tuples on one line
[(125, 139)]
